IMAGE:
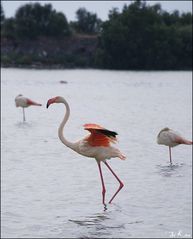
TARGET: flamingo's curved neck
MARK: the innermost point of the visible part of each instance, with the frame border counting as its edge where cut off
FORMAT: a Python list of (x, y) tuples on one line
[(61, 127)]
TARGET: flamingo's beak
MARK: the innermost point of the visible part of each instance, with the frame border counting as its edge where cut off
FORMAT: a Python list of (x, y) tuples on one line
[(47, 104), (50, 101)]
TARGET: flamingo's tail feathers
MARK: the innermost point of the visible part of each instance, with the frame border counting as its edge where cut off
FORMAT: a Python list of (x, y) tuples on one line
[(181, 140), (188, 142), (122, 157), (30, 102), (36, 104)]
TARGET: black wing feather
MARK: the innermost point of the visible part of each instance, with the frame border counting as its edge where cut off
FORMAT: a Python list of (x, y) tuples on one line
[(107, 132)]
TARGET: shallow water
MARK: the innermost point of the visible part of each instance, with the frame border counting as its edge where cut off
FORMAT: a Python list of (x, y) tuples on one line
[(49, 191)]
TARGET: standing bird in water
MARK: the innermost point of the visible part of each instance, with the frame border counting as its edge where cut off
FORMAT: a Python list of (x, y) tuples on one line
[(171, 138), (21, 101), (95, 145)]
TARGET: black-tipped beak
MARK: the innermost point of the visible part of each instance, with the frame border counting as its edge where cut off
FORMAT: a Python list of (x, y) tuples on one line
[(47, 105), (51, 101)]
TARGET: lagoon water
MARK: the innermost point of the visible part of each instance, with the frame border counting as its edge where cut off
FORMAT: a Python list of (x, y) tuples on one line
[(49, 191)]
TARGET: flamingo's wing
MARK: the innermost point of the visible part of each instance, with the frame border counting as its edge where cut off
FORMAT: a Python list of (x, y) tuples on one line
[(99, 135)]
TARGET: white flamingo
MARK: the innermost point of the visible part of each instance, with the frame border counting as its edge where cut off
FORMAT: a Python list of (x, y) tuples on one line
[(21, 101), (95, 145), (171, 139)]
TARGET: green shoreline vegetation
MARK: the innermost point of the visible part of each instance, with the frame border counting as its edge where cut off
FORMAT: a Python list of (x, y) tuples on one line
[(140, 37)]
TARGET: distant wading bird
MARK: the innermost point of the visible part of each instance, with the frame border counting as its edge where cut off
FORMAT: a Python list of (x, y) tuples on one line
[(21, 101), (171, 139), (95, 145)]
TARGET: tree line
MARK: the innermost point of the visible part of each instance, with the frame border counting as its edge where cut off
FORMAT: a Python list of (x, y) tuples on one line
[(140, 37), (33, 20)]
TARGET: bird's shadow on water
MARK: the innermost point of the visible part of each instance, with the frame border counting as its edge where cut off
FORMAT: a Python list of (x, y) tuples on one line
[(170, 170)]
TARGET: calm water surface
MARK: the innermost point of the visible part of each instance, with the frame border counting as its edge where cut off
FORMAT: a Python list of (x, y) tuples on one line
[(49, 191)]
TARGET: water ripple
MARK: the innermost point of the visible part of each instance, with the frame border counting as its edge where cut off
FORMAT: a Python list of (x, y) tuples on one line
[(170, 170)]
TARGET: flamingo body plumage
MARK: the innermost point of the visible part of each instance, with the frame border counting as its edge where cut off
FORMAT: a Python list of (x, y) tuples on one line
[(95, 145), (171, 138), (21, 101)]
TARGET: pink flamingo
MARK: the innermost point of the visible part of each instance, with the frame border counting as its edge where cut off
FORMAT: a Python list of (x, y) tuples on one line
[(95, 145), (171, 138), (21, 101)]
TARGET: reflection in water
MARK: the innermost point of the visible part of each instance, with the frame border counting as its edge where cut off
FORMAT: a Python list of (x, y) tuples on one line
[(104, 224), (23, 125), (99, 224), (170, 170), (91, 220), (93, 225)]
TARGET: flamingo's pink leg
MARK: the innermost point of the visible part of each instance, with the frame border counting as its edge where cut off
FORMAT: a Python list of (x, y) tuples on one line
[(121, 184), (103, 185), (23, 114), (170, 155)]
